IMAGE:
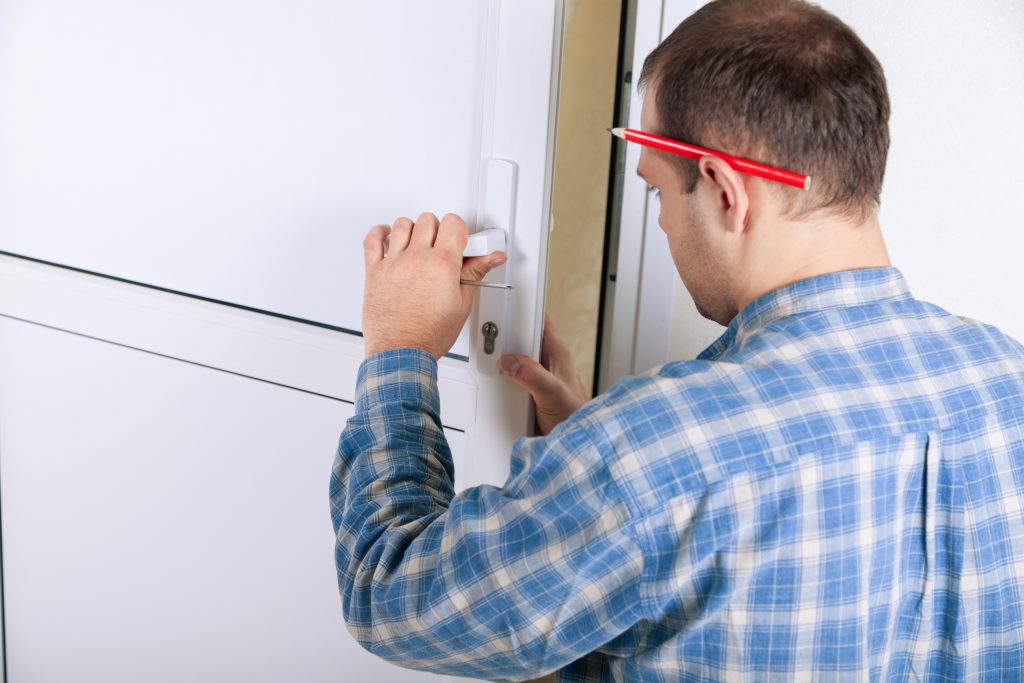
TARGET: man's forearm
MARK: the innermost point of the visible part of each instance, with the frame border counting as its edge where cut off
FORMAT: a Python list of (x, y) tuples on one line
[(499, 583), (393, 473)]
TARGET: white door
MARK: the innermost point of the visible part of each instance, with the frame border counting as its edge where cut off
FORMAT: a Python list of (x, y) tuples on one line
[(165, 522), (193, 179)]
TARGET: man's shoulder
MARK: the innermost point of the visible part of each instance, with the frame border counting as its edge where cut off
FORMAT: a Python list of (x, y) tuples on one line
[(680, 411), (689, 389), (971, 329), (908, 336), (804, 387), (797, 365)]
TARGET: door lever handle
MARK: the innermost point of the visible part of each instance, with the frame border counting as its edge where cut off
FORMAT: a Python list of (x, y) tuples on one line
[(486, 241)]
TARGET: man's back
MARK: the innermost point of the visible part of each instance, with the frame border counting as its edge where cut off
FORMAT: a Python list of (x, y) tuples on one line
[(833, 486), (831, 489)]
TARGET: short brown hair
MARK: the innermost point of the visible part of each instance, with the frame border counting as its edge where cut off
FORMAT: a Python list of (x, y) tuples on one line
[(782, 82)]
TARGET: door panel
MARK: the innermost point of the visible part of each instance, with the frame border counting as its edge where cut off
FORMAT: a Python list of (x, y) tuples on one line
[(232, 150), (166, 522), (515, 81)]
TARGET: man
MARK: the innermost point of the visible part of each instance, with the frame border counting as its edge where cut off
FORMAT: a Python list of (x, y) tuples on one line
[(833, 489)]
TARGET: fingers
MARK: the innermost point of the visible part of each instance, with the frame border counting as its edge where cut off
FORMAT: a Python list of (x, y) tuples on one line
[(476, 267), (532, 376), (373, 244), (554, 402), (553, 348), (556, 355), (401, 231), (424, 232), (452, 234)]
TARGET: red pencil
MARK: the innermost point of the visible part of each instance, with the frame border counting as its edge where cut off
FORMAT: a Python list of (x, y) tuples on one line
[(694, 152)]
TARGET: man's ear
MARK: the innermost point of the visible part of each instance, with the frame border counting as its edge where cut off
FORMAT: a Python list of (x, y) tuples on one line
[(730, 190)]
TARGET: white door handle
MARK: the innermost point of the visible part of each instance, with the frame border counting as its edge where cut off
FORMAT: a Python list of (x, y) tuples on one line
[(486, 242)]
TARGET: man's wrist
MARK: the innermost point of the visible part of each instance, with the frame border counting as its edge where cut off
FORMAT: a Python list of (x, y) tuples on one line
[(406, 376), (376, 348)]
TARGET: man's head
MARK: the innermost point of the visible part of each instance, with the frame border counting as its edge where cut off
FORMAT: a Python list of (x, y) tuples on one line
[(777, 81)]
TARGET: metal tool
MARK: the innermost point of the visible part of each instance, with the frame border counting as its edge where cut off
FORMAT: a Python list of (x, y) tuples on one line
[(477, 283)]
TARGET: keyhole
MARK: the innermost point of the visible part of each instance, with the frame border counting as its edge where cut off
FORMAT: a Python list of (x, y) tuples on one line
[(490, 331)]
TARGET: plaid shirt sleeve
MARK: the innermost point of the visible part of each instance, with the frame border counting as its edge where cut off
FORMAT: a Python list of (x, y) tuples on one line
[(498, 583)]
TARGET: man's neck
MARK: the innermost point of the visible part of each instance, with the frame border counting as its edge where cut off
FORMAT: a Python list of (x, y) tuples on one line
[(812, 248)]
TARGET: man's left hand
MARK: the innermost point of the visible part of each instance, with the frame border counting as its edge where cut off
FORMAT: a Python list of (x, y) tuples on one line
[(412, 296)]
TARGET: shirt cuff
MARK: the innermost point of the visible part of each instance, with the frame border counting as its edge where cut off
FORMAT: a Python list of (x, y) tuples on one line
[(405, 378)]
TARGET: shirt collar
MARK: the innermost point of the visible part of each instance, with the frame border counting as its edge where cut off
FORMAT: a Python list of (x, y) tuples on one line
[(830, 290)]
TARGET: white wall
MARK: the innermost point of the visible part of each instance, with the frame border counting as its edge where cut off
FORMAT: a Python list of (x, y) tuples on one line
[(950, 211)]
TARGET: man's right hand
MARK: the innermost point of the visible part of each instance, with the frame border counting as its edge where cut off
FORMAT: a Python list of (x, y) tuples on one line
[(554, 383)]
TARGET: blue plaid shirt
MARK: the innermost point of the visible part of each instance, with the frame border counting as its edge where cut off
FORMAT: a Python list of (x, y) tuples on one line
[(833, 489)]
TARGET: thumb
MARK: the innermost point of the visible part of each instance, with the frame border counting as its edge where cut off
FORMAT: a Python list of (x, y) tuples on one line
[(476, 267), (530, 375)]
